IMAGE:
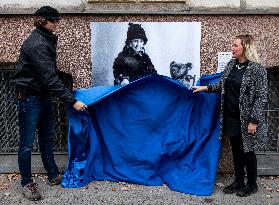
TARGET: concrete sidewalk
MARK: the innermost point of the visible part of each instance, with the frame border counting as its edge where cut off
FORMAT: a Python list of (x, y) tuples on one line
[(104, 192)]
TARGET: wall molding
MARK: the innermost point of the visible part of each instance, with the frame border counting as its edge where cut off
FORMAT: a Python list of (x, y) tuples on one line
[(173, 7), (136, 1)]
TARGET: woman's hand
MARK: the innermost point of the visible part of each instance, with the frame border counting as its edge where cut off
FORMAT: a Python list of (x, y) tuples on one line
[(79, 106), (252, 128), (199, 88)]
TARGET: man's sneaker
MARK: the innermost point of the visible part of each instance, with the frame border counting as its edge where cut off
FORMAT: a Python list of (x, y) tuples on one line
[(247, 190), (31, 192), (56, 180), (234, 187)]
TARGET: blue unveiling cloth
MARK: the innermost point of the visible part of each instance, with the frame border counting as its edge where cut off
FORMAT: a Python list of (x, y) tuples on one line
[(151, 131)]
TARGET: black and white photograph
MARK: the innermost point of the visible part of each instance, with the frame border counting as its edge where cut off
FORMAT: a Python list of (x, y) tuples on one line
[(122, 52)]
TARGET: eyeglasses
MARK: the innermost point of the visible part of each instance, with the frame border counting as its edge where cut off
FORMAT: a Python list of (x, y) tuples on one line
[(53, 21)]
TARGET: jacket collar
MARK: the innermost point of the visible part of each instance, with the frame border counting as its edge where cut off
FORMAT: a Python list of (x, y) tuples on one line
[(130, 51), (47, 34)]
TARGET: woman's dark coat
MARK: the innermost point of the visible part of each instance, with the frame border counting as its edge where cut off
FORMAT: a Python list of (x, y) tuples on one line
[(131, 65), (252, 100)]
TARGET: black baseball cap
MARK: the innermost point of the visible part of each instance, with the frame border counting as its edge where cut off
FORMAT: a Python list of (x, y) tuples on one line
[(48, 13)]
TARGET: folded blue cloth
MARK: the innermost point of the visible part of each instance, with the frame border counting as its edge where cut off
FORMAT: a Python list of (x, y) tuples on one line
[(151, 131)]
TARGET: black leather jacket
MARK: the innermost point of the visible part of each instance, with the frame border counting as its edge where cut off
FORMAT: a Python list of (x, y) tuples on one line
[(37, 70)]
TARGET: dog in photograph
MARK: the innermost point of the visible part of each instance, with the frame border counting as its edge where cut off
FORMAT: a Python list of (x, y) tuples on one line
[(179, 72)]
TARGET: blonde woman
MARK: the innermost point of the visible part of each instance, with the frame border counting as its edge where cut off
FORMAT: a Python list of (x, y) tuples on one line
[(243, 88)]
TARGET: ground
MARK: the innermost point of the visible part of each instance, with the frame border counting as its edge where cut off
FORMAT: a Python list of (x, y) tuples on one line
[(104, 192)]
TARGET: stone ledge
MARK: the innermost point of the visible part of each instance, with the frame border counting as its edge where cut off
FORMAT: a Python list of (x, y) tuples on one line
[(136, 1), (268, 163), (179, 7), (255, 4), (9, 163)]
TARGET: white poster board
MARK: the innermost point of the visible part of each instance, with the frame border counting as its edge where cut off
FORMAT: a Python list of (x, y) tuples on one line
[(167, 42), (223, 59)]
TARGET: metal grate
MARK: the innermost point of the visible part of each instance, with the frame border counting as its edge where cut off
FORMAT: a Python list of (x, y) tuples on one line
[(272, 111), (9, 134), (8, 117)]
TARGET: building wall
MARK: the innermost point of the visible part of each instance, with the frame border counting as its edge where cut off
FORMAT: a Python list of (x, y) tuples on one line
[(218, 32), (144, 6)]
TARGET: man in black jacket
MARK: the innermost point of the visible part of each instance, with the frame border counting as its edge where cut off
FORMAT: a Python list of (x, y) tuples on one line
[(36, 79)]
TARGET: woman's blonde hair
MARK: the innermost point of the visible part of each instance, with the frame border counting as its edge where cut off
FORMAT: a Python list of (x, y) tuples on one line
[(248, 42)]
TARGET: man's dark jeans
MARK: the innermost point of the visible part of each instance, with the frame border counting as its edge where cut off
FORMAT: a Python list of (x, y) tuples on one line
[(35, 113)]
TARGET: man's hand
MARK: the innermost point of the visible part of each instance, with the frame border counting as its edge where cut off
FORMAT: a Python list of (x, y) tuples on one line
[(79, 106)]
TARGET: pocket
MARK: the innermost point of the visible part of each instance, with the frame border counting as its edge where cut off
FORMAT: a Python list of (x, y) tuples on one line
[(30, 102), (20, 96), (247, 91)]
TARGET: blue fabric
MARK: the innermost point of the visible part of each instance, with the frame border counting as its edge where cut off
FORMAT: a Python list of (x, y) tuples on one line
[(151, 131)]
